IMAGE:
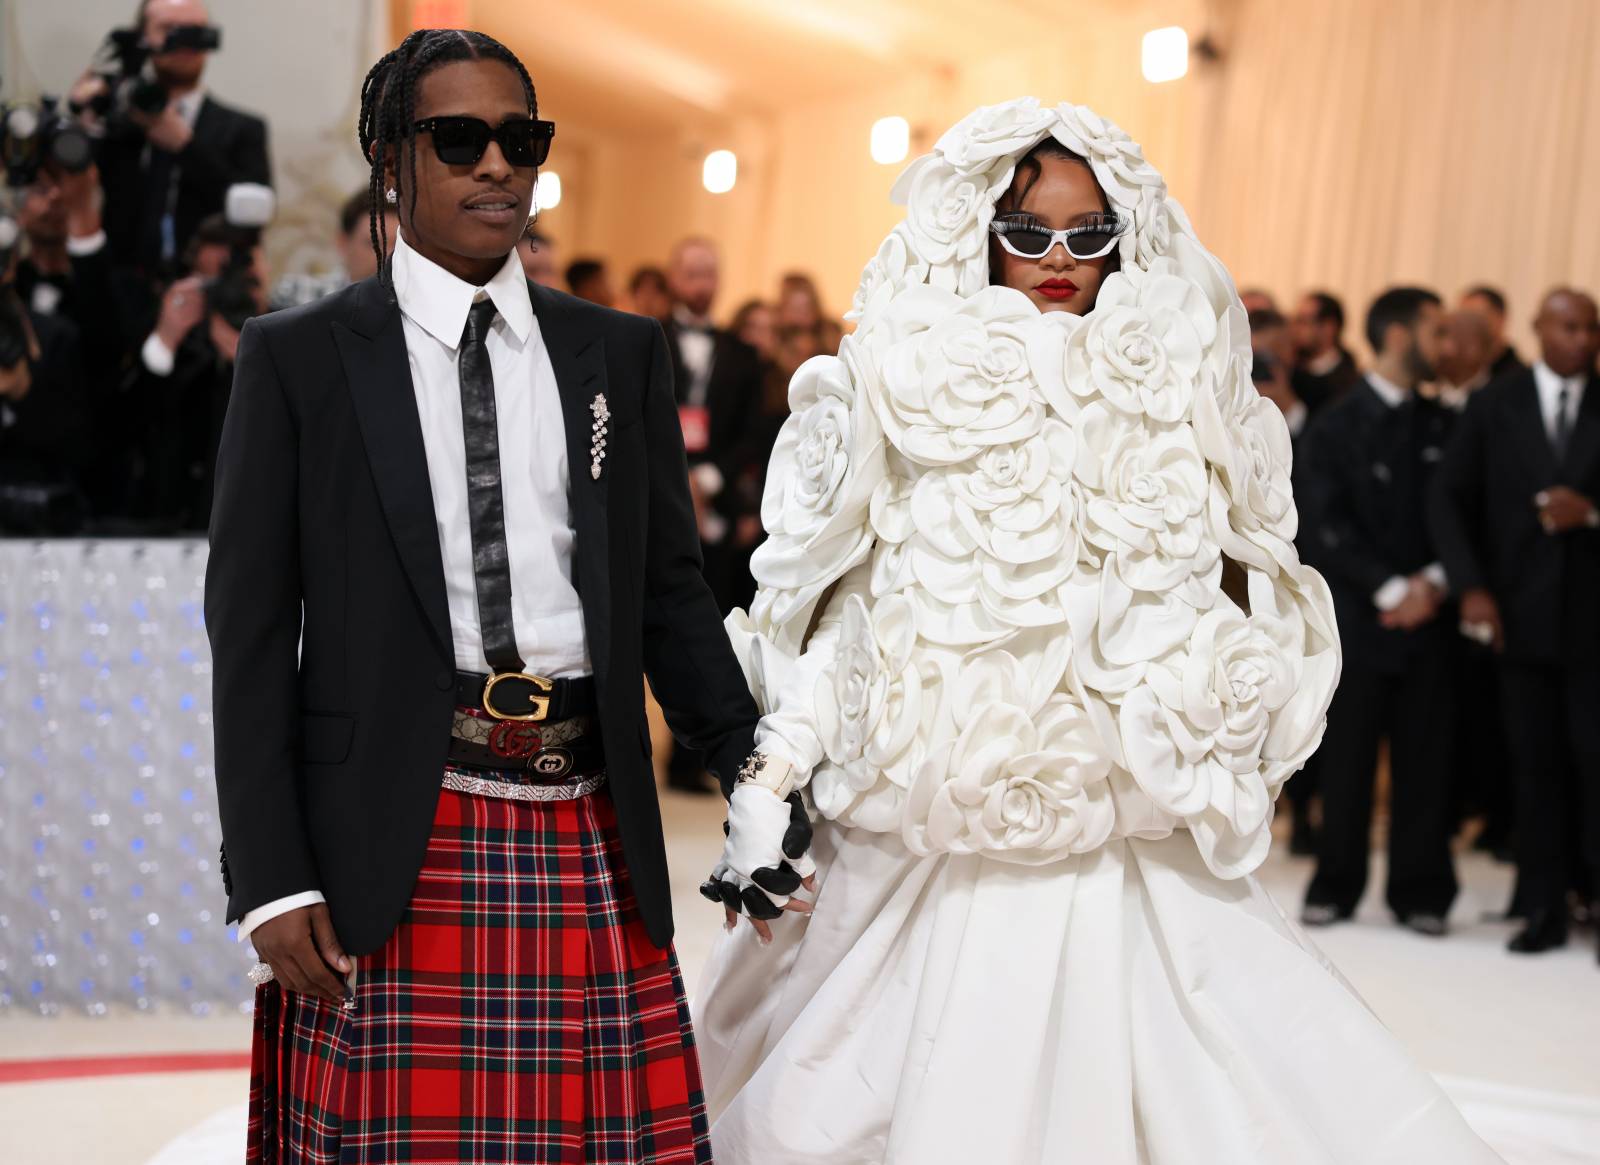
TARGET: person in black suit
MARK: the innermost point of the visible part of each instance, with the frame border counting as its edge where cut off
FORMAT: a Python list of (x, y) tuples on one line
[(1361, 479), (1489, 303), (43, 423), (718, 379), (164, 173), (1514, 515), (181, 387), (1324, 370), (429, 645)]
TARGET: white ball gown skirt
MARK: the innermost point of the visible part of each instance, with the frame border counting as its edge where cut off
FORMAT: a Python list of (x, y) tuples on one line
[(1125, 1007)]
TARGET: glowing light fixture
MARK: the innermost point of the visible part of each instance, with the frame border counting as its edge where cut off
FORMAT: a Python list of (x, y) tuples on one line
[(548, 191), (720, 172), (891, 140), (1164, 54)]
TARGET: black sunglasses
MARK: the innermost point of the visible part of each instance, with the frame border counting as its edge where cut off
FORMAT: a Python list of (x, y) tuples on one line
[(461, 141)]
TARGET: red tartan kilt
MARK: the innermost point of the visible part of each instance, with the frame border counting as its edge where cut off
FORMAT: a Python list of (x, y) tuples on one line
[(518, 1013)]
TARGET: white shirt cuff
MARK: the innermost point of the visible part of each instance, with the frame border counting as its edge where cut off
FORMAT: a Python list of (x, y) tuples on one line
[(1392, 593), (276, 907), (1434, 573), (86, 246), (157, 357)]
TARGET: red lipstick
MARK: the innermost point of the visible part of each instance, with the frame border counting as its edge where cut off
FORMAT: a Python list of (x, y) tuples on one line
[(1057, 289)]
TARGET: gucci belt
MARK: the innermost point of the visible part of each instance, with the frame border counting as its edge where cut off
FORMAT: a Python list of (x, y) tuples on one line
[(549, 751)]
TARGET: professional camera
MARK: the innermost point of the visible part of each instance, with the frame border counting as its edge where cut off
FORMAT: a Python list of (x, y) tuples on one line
[(33, 136), (233, 294), (124, 64)]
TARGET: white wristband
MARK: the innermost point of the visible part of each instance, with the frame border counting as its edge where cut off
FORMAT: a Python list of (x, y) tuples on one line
[(768, 772)]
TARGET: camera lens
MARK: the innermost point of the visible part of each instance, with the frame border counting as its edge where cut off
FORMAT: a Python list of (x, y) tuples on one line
[(71, 149)]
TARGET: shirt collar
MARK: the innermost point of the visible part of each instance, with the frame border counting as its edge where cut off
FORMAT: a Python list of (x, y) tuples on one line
[(1325, 364), (1388, 391), (1551, 383), (188, 106), (438, 302)]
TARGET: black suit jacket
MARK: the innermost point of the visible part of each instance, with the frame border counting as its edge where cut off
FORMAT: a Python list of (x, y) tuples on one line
[(1487, 526), (733, 400), (228, 146), (1318, 392), (1361, 473), (334, 674)]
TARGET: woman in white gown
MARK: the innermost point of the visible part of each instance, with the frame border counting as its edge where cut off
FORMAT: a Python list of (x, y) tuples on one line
[(1033, 635)]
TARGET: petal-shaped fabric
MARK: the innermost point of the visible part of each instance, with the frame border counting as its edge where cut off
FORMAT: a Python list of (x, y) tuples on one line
[(1040, 505)]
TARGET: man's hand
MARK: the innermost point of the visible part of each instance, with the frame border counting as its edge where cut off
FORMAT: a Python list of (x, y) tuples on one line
[(165, 130), (303, 952), (87, 88), (224, 338), (15, 382), (182, 307), (765, 859), (1420, 606), (1562, 509), (79, 194), (1478, 609)]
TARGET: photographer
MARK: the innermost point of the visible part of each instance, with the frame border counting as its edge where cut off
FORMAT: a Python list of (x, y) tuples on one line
[(352, 245), (186, 372), (42, 412), (170, 151)]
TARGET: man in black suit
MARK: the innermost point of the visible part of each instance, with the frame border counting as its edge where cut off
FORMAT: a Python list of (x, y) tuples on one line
[(164, 173), (43, 422), (1324, 370), (451, 535), (1361, 479), (718, 379), (1489, 303), (1514, 515)]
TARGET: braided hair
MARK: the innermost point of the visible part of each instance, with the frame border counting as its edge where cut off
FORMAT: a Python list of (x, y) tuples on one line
[(388, 110)]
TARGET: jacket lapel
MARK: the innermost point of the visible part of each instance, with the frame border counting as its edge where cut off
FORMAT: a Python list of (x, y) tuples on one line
[(577, 353), (1584, 444), (373, 349), (1527, 419)]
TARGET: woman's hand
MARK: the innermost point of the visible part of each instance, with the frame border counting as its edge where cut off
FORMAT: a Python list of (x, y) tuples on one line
[(764, 860)]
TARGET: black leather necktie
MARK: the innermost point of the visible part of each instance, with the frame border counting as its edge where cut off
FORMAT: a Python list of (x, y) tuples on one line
[(486, 510), (1563, 431)]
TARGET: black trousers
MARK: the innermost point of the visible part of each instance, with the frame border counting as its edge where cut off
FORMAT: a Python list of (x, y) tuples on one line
[(1553, 719), (1482, 769), (1413, 708)]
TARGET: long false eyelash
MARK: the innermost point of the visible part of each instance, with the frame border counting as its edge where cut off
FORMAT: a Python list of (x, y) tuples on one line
[(1110, 221), (1018, 221)]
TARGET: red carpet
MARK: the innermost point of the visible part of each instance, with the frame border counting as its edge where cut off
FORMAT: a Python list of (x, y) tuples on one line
[(73, 1067)]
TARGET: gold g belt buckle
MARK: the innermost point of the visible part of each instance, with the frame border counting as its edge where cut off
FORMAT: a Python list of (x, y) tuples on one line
[(540, 703)]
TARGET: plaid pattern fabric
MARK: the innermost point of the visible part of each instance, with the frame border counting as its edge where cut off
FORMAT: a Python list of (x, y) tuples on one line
[(518, 1013)]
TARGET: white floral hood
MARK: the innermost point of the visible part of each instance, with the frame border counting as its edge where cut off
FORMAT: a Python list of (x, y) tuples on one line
[(1020, 523)]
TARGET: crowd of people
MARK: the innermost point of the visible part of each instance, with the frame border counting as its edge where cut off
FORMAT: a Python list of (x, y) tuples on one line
[(1447, 491), (128, 270), (1449, 494)]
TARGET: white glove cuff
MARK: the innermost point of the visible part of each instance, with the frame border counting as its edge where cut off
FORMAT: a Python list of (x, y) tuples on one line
[(767, 772)]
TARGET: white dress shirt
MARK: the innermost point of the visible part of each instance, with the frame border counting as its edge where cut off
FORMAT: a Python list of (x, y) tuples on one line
[(697, 347), (1550, 387), (546, 613)]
